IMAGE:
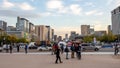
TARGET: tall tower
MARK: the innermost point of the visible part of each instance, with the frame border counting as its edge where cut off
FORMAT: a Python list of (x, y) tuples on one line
[(85, 30), (116, 21)]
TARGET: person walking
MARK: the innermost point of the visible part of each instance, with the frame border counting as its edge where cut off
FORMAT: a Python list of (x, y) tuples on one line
[(11, 48), (26, 49), (62, 48), (116, 49), (18, 48), (79, 51), (72, 48), (67, 51), (58, 56)]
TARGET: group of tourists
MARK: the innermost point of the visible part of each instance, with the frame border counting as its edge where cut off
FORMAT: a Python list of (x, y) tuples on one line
[(9, 48), (59, 49)]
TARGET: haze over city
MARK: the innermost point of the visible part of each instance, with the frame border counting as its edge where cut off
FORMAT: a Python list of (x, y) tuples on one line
[(62, 15)]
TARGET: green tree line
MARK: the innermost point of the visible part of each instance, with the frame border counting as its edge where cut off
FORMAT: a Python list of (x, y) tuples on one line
[(105, 38), (12, 39)]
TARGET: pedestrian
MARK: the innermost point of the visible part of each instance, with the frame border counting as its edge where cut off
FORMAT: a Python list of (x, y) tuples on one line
[(76, 48), (62, 48), (79, 51), (26, 48), (18, 48), (116, 49), (11, 48), (58, 55), (67, 51), (72, 48)]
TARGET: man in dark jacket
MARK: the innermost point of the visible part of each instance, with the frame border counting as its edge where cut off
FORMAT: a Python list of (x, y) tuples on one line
[(18, 48), (26, 49), (66, 50), (58, 55), (11, 48), (72, 48)]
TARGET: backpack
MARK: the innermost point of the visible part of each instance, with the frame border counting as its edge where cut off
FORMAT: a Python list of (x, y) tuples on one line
[(66, 49)]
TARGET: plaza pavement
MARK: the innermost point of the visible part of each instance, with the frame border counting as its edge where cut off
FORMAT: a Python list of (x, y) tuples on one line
[(46, 60)]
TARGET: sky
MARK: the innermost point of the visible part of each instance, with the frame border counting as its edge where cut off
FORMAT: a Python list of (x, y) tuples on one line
[(63, 16)]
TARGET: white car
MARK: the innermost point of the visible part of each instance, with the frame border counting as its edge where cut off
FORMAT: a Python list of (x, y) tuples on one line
[(5, 46), (43, 48)]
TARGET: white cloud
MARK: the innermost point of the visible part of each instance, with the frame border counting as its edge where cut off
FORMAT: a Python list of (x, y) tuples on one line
[(99, 13), (25, 6), (93, 12), (57, 6), (46, 14), (76, 9), (63, 10), (54, 4), (90, 4), (7, 4)]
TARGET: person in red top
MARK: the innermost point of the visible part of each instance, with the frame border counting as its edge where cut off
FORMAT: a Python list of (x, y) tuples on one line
[(54, 47)]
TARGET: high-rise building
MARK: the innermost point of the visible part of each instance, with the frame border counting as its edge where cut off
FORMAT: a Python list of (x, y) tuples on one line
[(3, 25), (116, 21), (72, 35), (85, 30), (55, 38), (22, 24), (109, 29), (49, 33), (31, 28), (11, 28), (42, 32), (2, 32), (100, 33), (33, 36)]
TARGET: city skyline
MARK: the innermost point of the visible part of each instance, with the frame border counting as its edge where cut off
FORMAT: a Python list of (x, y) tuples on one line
[(63, 15)]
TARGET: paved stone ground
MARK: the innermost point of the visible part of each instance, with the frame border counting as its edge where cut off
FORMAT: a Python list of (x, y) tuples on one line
[(47, 61)]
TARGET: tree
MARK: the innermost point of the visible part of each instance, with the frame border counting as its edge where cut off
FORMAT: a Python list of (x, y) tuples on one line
[(88, 39), (22, 40), (107, 38)]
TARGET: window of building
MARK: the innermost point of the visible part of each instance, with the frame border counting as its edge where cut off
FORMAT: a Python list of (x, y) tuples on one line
[(114, 12)]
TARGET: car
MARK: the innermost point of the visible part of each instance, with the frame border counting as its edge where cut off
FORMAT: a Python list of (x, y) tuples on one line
[(87, 46), (44, 48), (107, 46), (22, 45), (5, 46), (32, 45)]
